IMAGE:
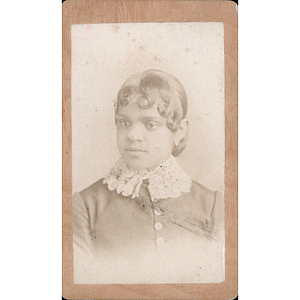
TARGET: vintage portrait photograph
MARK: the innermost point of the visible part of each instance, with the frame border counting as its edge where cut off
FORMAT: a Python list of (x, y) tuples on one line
[(148, 153)]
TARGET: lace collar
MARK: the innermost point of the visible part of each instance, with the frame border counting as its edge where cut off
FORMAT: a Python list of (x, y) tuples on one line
[(167, 180)]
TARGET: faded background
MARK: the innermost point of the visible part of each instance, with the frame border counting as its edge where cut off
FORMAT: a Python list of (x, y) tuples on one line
[(105, 55)]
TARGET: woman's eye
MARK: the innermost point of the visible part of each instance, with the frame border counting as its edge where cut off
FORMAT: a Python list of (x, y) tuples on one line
[(123, 123), (152, 125)]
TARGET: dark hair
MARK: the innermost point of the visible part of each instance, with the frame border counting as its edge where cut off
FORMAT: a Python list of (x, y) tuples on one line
[(155, 85)]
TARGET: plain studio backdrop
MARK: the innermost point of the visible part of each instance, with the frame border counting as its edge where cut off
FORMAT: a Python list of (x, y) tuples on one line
[(105, 55)]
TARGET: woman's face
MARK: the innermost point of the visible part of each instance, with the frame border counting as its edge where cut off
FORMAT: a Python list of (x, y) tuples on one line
[(143, 138)]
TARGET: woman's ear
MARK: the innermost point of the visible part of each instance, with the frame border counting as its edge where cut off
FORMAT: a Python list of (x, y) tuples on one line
[(181, 130)]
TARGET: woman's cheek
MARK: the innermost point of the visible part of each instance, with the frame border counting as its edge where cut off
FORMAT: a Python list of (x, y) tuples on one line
[(121, 136)]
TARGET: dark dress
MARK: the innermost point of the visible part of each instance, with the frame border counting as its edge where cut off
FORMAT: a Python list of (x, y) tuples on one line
[(118, 239)]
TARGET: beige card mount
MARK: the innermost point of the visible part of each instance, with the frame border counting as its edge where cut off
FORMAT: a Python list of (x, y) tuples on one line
[(149, 149)]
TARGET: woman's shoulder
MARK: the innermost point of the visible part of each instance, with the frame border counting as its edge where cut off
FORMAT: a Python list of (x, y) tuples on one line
[(199, 191), (211, 203), (205, 198), (97, 190)]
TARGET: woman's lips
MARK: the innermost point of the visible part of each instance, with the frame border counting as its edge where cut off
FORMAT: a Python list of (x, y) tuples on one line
[(135, 152)]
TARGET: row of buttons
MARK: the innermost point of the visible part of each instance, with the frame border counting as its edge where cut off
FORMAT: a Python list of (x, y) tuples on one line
[(157, 226)]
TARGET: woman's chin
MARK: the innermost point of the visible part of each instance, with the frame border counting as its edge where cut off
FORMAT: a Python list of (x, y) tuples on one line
[(138, 163), (143, 161)]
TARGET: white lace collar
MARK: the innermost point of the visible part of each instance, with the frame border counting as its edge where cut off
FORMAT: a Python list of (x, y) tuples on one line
[(165, 181)]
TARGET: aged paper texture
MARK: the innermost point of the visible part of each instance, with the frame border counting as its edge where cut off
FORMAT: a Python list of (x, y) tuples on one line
[(185, 242)]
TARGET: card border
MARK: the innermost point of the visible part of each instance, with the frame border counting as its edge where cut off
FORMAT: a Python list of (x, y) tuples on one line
[(139, 11)]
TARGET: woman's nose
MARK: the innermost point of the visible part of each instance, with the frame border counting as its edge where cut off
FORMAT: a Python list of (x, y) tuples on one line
[(135, 133)]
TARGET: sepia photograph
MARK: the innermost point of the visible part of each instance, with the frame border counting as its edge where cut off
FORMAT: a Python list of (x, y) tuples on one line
[(148, 153)]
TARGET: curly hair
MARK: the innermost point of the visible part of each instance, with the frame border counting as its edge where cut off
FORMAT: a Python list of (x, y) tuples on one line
[(157, 86)]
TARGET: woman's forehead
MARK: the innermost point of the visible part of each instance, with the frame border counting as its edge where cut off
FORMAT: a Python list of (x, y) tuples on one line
[(134, 110)]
